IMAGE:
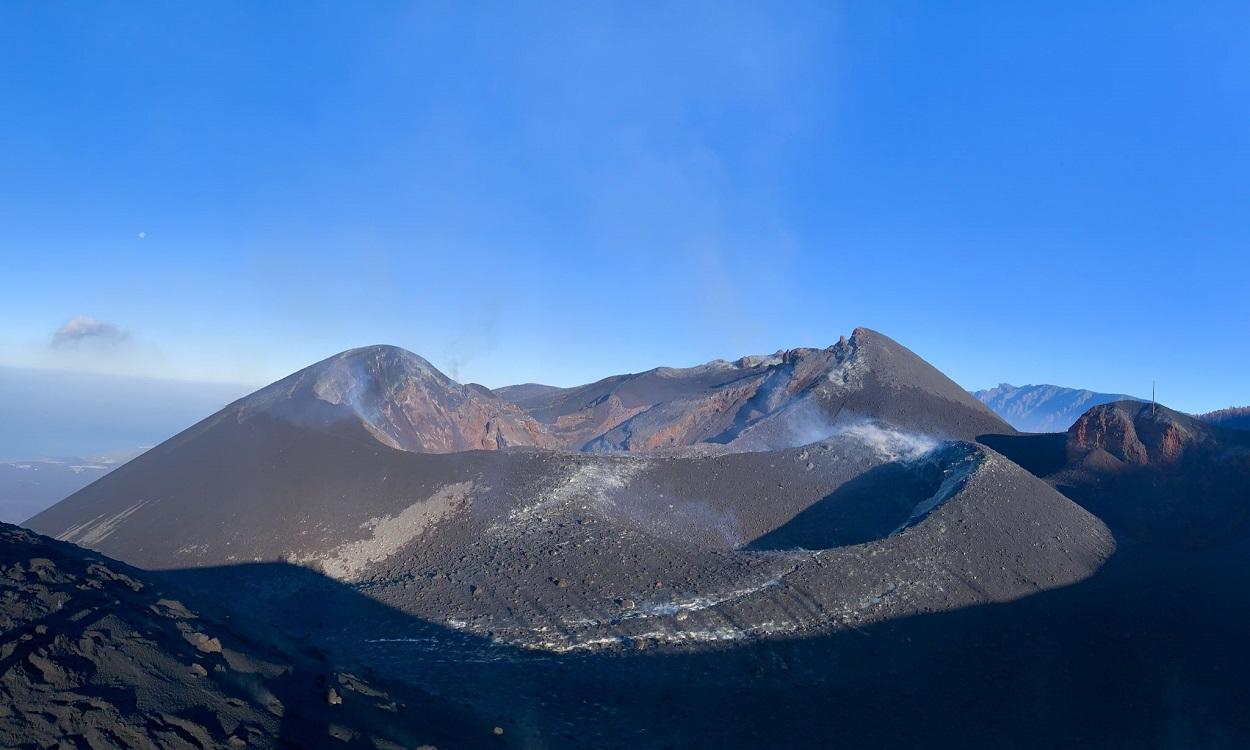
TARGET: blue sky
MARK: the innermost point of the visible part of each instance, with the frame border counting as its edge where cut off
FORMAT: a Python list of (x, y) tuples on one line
[(1023, 192)]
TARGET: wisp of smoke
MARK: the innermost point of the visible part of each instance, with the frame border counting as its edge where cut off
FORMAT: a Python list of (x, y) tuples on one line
[(808, 423), (887, 442), (477, 336)]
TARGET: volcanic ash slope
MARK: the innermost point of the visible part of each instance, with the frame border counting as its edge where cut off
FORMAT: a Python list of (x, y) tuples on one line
[(566, 551), (351, 467), (624, 551)]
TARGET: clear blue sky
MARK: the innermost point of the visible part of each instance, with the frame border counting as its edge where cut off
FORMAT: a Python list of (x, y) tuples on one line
[(1023, 192)]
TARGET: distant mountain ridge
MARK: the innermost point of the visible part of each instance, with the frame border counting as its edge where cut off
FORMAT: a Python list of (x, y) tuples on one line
[(1232, 418), (1043, 408)]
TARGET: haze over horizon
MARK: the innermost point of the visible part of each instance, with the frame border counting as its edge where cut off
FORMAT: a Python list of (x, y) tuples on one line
[(1019, 194)]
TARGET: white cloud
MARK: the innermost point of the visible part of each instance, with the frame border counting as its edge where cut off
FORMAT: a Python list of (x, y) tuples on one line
[(84, 328)]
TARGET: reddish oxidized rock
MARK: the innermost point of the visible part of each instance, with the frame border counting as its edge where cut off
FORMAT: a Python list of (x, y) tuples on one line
[(1135, 433)]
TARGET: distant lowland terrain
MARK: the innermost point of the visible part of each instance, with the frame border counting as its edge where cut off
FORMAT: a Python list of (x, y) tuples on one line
[(27, 487), (60, 431)]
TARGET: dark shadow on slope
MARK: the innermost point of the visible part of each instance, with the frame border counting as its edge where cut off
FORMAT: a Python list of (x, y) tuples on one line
[(1198, 504), (307, 604), (1201, 499), (96, 653), (1040, 454), (310, 614), (868, 507), (1147, 653)]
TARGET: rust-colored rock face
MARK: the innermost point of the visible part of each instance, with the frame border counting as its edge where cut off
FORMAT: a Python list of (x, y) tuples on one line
[(1135, 433), (715, 402), (788, 398), (400, 399), (1111, 430)]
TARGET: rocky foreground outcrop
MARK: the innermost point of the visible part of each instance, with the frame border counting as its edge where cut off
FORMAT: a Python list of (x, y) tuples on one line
[(94, 653)]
